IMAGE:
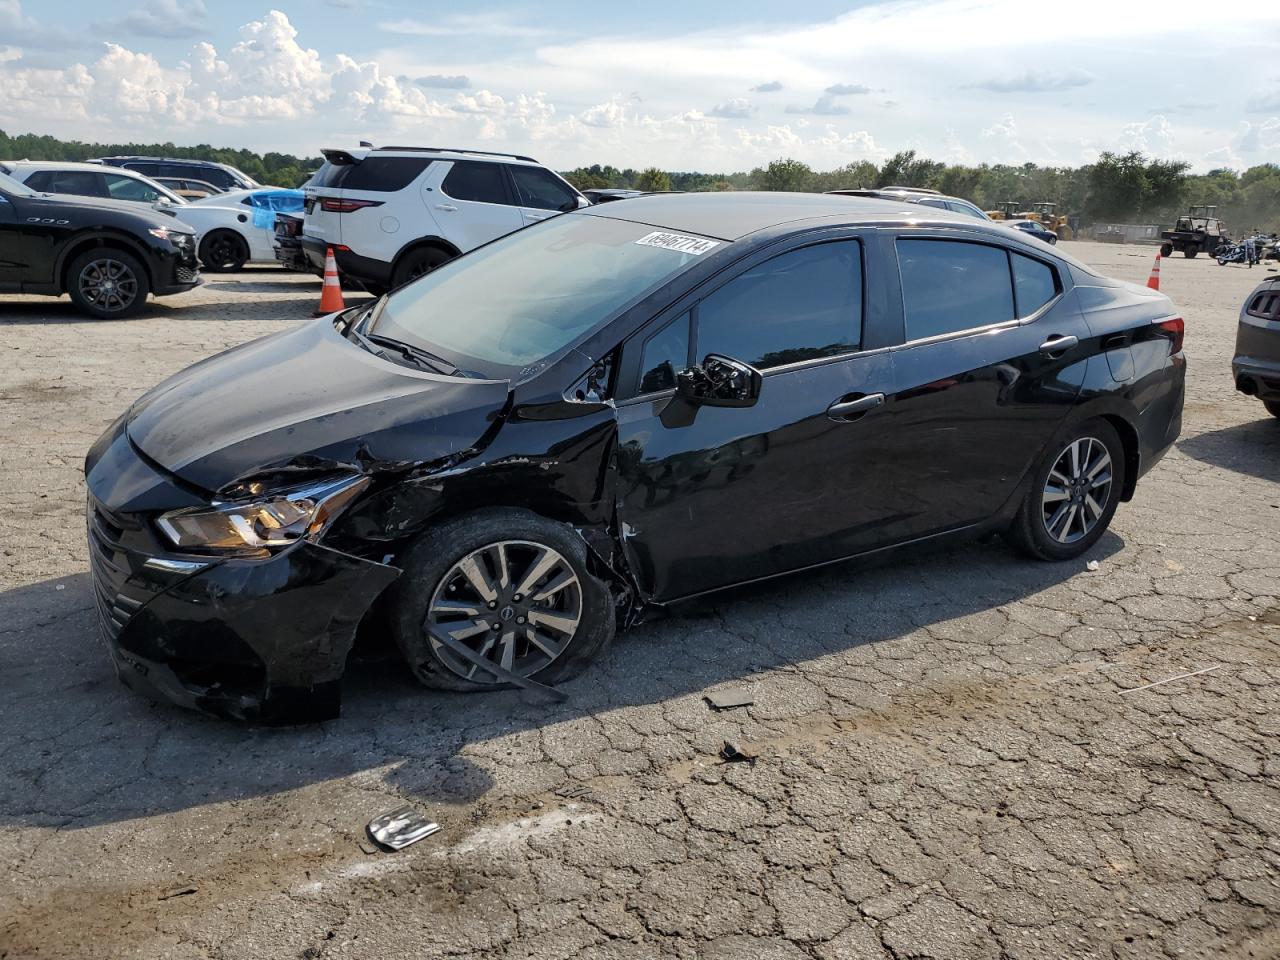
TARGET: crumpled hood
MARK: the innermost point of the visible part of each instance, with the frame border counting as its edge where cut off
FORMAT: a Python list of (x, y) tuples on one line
[(306, 397)]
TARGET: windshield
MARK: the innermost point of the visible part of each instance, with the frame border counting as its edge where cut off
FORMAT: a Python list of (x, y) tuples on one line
[(14, 188), (526, 297)]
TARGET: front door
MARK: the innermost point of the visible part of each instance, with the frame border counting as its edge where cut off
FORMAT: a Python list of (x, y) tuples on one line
[(725, 495), (540, 193)]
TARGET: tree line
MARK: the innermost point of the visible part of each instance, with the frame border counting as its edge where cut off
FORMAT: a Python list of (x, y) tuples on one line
[(1116, 188)]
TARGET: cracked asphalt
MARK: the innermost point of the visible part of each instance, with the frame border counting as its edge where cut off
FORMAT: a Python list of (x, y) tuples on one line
[(952, 759)]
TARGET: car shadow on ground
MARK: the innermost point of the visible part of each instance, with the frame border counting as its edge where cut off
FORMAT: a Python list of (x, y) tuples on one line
[(77, 749), (1251, 448)]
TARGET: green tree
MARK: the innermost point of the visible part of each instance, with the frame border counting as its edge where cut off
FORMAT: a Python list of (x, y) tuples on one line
[(786, 174), (653, 179)]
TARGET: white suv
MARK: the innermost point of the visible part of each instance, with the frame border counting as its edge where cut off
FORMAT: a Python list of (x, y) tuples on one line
[(393, 213)]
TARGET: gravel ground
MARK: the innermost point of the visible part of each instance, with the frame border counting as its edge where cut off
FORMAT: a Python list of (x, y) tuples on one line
[(949, 765)]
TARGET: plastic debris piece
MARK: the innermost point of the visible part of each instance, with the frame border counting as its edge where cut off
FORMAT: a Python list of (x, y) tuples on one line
[(1091, 565), (728, 699), (177, 892), (399, 828), (731, 754)]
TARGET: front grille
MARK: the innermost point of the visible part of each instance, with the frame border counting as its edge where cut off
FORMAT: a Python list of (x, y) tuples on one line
[(109, 568), (187, 275)]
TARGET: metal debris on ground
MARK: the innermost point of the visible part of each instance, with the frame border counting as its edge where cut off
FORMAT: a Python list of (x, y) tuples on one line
[(731, 754), (177, 892), (1181, 676), (728, 699), (399, 828)]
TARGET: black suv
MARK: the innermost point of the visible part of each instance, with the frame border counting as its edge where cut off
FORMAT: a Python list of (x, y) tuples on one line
[(219, 174), (107, 254)]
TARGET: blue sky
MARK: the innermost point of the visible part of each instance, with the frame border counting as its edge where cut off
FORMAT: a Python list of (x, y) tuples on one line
[(683, 85)]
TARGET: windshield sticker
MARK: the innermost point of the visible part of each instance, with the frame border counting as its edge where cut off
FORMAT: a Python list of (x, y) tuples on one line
[(679, 242)]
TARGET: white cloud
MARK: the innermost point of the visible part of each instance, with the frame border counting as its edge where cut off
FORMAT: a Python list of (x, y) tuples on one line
[(739, 108), (465, 24), (161, 18), (1003, 138), (1153, 136), (773, 86), (846, 89), (1037, 81)]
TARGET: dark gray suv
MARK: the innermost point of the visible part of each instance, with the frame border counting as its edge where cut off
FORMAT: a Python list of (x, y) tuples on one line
[(1256, 365)]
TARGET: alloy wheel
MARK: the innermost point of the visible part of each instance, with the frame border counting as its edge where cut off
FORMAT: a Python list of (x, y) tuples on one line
[(1077, 490), (514, 603), (108, 284)]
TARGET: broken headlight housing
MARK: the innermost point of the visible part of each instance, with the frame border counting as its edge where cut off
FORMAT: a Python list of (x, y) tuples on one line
[(262, 521)]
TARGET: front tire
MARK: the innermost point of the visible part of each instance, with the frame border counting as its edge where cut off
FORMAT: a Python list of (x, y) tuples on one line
[(1191, 251), (1073, 496), (107, 283), (224, 251), (1166, 249), (514, 588)]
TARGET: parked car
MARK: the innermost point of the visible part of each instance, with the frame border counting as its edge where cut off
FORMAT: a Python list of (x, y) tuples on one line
[(238, 226), (221, 175), (1035, 228), (88, 180), (628, 406), (928, 198), (392, 214), (107, 254), (1256, 365), (189, 189), (288, 243)]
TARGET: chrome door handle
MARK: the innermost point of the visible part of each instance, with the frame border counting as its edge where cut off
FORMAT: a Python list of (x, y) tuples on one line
[(1056, 344), (446, 206), (851, 409)]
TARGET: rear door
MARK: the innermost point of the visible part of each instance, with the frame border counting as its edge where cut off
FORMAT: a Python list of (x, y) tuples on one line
[(992, 359), (474, 203), (540, 193), (76, 183)]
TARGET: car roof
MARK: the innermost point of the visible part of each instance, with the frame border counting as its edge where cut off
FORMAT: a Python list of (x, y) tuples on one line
[(733, 215), (68, 165), (444, 153)]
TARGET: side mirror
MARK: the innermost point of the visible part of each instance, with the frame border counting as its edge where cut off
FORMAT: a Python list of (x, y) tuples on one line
[(582, 203), (720, 382)]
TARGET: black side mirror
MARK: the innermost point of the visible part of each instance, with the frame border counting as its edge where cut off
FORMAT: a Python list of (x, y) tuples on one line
[(720, 382)]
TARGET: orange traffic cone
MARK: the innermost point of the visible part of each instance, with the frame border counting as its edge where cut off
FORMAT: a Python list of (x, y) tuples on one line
[(1153, 281), (331, 292)]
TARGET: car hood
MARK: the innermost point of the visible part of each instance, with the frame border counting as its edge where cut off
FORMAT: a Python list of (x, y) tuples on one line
[(306, 398)]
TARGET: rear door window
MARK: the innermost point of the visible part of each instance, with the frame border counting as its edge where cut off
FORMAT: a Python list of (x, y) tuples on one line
[(476, 181), (80, 183), (799, 305), (951, 285), (541, 189), (384, 174)]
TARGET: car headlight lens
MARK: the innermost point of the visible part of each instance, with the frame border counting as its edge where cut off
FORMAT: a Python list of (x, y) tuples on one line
[(161, 233), (263, 522)]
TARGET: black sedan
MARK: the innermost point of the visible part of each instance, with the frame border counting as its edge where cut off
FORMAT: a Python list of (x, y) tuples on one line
[(1035, 228), (606, 413)]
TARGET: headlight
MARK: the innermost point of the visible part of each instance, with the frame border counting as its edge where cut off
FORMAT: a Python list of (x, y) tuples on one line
[(162, 233), (270, 520)]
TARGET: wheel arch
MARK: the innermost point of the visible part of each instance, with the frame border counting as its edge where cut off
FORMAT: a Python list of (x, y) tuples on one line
[(432, 242), (101, 238)]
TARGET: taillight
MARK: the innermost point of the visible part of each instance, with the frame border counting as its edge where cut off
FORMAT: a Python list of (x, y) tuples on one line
[(334, 205), (1172, 329)]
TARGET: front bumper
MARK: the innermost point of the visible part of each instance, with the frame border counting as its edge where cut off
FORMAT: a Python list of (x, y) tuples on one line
[(262, 640), (175, 270)]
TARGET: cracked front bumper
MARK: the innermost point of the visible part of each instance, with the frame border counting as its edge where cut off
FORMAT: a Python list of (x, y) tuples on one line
[(263, 640)]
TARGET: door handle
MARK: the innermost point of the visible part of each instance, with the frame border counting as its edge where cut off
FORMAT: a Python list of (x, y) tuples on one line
[(446, 206), (854, 409), (1056, 345)]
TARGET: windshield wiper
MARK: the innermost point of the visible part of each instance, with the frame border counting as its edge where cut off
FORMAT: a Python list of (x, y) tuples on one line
[(415, 354)]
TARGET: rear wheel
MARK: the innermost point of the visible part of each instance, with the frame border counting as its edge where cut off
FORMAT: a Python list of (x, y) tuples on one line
[(1190, 251), (416, 263), (1073, 496), (108, 283), (1273, 407), (224, 251), (512, 588)]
